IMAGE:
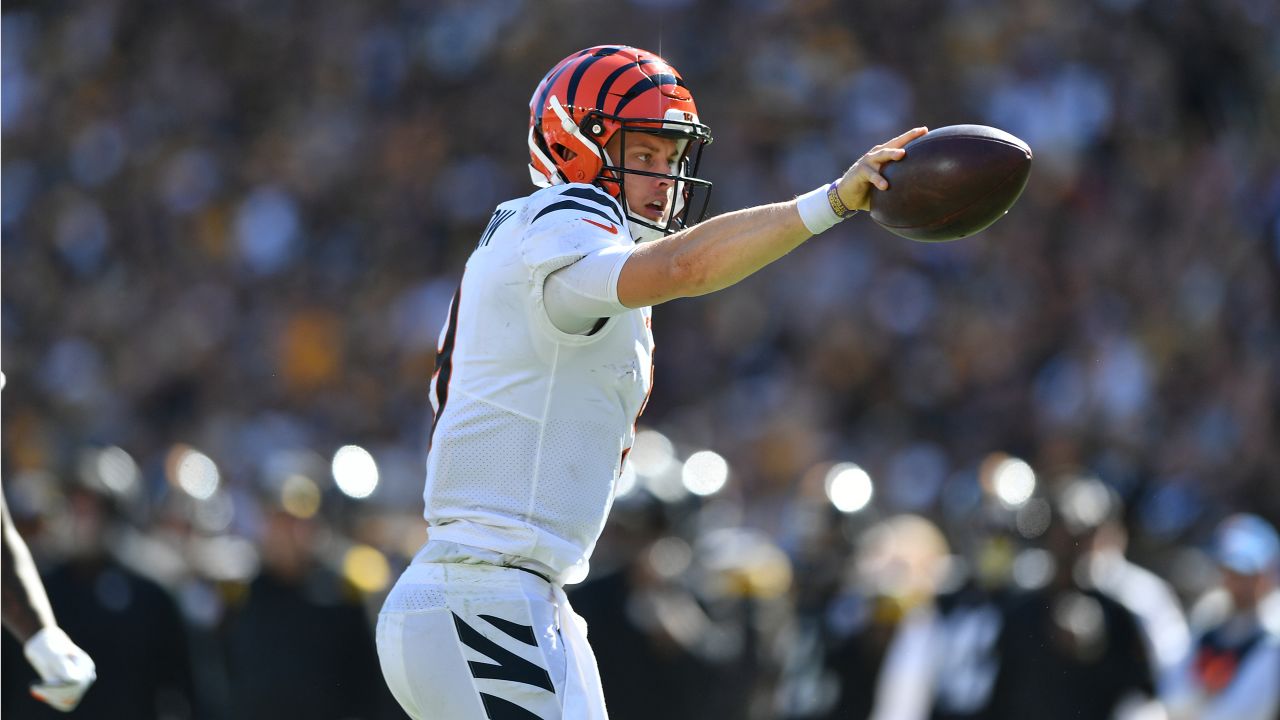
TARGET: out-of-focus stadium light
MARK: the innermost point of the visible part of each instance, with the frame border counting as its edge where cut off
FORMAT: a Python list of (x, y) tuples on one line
[(1081, 615), (1033, 518), (225, 558), (299, 496), (195, 473), (849, 487), (283, 462), (668, 486), (1014, 482), (118, 471), (656, 466), (670, 556), (704, 473), (1033, 568), (651, 453), (215, 514), (626, 480), (355, 471), (366, 568)]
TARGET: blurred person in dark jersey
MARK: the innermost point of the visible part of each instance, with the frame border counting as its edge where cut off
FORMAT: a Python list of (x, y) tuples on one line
[(1067, 649), (1233, 672), (1150, 598), (298, 642), (900, 563), (943, 661)]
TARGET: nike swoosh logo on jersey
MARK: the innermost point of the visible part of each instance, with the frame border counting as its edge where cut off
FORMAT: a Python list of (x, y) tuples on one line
[(611, 229)]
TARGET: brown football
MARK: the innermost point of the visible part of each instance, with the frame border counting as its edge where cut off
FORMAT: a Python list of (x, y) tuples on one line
[(953, 182)]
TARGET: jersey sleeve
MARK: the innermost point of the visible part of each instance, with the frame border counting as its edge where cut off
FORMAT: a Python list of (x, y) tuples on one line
[(578, 297), (567, 223)]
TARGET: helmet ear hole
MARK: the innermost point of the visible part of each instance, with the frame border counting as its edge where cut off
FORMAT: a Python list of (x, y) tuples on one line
[(564, 152)]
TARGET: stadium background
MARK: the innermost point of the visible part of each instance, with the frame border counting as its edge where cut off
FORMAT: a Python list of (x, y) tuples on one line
[(231, 230)]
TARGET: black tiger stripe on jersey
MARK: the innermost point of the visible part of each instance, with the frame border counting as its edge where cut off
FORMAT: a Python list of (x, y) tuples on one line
[(595, 195), (572, 205), (444, 359)]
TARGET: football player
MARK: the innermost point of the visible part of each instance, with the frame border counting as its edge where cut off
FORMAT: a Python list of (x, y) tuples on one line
[(544, 364), (66, 671)]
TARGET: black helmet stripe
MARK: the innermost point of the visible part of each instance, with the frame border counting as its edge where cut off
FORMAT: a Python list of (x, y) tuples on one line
[(546, 90), (613, 77), (650, 82), (571, 95)]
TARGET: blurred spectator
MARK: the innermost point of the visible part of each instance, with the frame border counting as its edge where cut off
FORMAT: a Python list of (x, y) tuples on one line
[(1067, 650), (1236, 662), (647, 628), (900, 564), (299, 643), (1104, 567), (686, 626), (943, 660)]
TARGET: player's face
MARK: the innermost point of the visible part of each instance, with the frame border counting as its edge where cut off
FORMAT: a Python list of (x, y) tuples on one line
[(652, 198)]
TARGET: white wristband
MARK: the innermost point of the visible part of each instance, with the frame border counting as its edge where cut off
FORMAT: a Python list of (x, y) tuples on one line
[(815, 210)]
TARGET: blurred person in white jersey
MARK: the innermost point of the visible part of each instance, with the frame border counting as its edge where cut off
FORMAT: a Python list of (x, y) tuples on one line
[(544, 366), (1233, 672)]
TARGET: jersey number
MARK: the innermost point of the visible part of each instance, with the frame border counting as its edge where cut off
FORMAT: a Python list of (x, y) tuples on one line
[(499, 217)]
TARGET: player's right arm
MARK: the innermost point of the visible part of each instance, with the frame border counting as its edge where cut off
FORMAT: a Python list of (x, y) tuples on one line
[(26, 607), (722, 251)]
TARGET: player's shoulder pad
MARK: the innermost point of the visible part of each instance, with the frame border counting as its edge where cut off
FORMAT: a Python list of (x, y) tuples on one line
[(563, 223), (559, 202)]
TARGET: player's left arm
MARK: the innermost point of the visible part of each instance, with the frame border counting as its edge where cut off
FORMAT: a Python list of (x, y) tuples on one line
[(722, 251)]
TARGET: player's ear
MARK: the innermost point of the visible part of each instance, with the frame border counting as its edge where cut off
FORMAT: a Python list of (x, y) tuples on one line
[(614, 145)]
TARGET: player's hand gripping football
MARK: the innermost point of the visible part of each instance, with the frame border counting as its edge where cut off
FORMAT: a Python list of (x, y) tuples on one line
[(66, 671), (857, 182)]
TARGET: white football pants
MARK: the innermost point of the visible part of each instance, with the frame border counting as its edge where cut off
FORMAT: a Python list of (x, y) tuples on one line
[(468, 640)]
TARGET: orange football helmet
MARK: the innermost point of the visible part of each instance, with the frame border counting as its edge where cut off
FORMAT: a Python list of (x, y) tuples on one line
[(592, 95)]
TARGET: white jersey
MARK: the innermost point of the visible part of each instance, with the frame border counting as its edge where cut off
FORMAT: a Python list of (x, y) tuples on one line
[(533, 424)]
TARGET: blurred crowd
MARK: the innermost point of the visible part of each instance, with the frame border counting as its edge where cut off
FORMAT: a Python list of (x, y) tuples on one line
[(231, 230)]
